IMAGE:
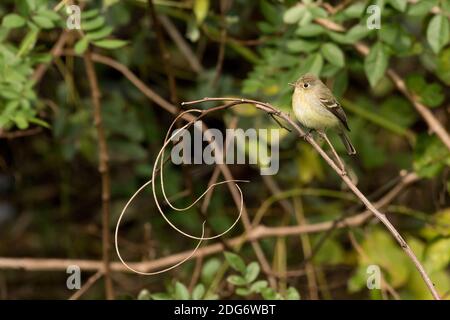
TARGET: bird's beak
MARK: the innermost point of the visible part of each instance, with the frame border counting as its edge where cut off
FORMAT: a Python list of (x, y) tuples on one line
[(291, 84)]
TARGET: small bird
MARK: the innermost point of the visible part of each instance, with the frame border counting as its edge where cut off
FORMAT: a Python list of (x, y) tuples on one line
[(316, 108)]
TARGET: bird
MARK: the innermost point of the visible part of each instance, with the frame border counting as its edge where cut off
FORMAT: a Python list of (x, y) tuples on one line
[(316, 108)]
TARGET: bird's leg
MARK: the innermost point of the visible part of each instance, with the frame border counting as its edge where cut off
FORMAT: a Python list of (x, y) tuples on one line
[(335, 154), (307, 134)]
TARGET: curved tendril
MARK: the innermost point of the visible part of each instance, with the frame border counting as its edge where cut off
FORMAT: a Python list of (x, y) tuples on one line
[(159, 159), (152, 181), (116, 241)]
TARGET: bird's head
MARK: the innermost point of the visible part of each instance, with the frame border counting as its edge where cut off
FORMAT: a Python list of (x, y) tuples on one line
[(306, 82)]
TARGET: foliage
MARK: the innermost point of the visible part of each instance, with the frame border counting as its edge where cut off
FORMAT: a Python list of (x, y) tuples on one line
[(50, 188)]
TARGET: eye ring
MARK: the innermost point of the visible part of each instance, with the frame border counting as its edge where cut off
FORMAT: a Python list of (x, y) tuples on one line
[(305, 85)]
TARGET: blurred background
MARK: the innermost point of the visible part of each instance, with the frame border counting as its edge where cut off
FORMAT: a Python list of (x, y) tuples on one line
[(104, 96)]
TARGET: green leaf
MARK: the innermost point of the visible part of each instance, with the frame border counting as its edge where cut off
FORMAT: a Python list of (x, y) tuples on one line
[(236, 280), (110, 43), (376, 63), (306, 18), (339, 37), (12, 21), (443, 66), (43, 22), (293, 14), (198, 292), (252, 272), (430, 94), (329, 70), (357, 33), (39, 122), (270, 294), (161, 296), (181, 292), (100, 34), (310, 30), (314, 64), (318, 12), (81, 45), (421, 8), (381, 249), (90, 14), (292, 294), (270, 12), (331, 253), (258, 286), (438, 33), (93, 24), (358, 280), (333, 54), (398, 39), (400, 5), (144, 295), (201, 8), (28, 43), (299, 45), (235, 261), (20, 120), (210, 269), (50, 14), (243, 292), (437, 255), (355, 10), (340, 83), (439, 227), (398, 110), (430, 156)]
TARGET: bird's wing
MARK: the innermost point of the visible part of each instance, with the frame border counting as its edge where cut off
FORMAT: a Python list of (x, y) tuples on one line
[(329, 102)]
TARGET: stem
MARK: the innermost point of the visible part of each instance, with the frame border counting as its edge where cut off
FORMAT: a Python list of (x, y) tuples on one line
[(104, 172)]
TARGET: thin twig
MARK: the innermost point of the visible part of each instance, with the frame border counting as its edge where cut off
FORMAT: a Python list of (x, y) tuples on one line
[(307, 251), (104, 171), (55, 52), (165, 54), (20, 133), (93, 279), (335, 154), (181, 43), (223, 39)]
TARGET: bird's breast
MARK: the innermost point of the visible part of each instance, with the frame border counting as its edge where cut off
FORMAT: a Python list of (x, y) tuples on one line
[(311, 113)]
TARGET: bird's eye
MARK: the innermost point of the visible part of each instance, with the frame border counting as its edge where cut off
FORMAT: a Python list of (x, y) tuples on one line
[(305, 85)]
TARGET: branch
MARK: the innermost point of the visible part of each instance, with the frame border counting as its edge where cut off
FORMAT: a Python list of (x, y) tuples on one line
[(20, 133), (165, 55), (184, 47), (104, 171), (425, 112), (381, 216)]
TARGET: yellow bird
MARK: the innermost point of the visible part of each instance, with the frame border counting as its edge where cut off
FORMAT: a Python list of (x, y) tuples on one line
[(316, 108)]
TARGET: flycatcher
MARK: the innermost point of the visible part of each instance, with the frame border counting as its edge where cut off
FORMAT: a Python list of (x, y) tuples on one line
[(316, 108)]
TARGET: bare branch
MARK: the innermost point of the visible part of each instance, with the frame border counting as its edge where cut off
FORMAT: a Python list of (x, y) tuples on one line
[(104, 171)]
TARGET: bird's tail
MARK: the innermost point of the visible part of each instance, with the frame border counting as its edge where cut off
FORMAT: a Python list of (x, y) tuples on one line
[(347, 143)]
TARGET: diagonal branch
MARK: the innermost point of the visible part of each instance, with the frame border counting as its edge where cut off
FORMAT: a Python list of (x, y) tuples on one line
[(381, 216)]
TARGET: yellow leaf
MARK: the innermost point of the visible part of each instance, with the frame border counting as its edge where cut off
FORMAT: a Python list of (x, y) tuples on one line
[(201, 8)]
